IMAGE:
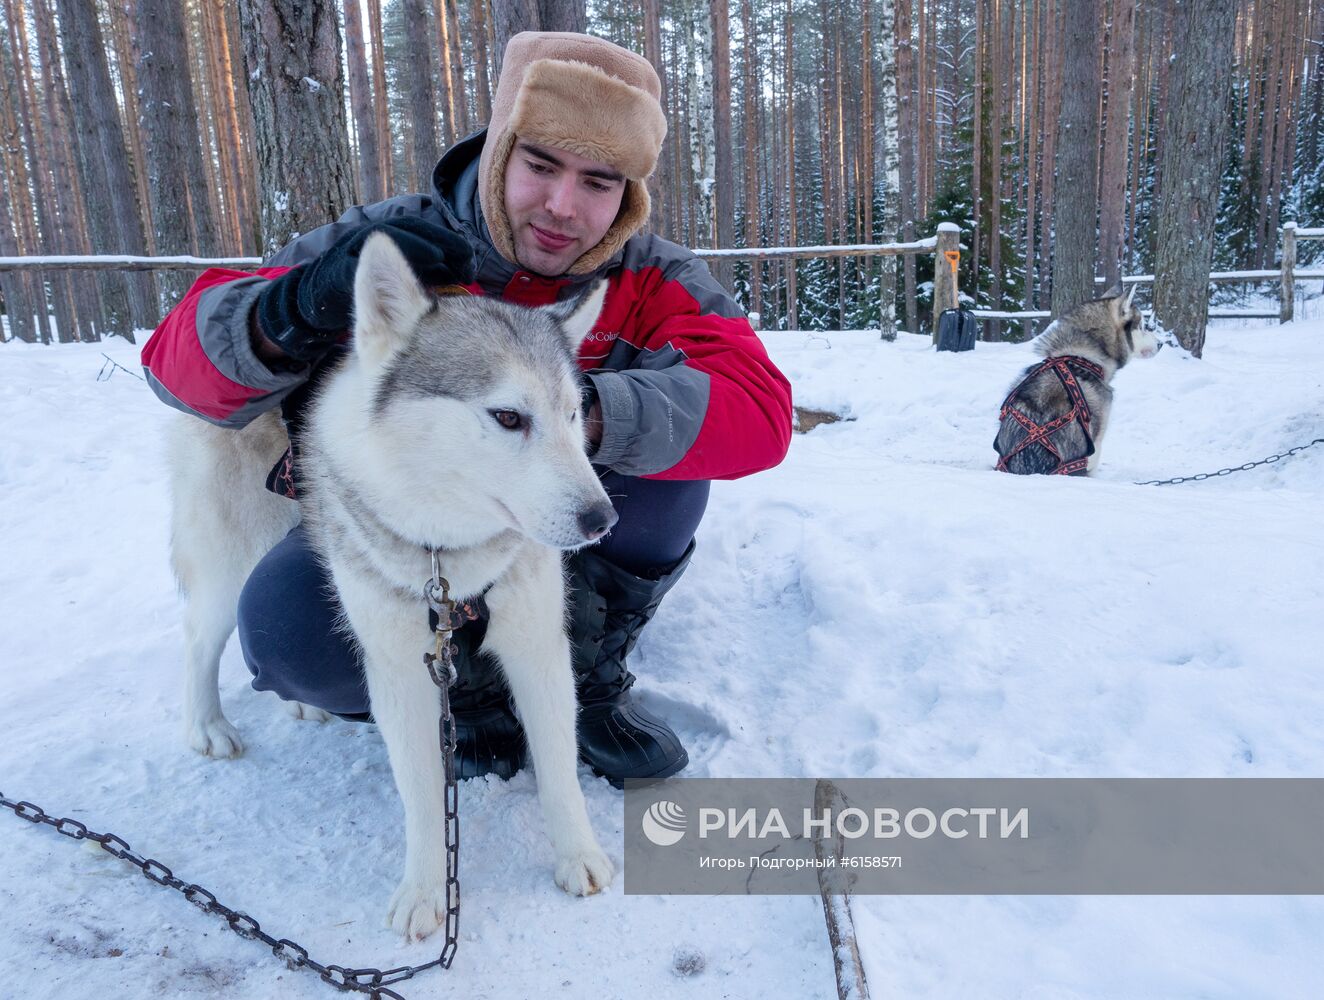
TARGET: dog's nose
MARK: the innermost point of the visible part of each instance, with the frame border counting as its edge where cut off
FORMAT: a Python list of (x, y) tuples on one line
[(597, 520)]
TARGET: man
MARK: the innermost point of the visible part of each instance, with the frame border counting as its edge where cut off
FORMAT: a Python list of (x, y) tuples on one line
[(678, 389)]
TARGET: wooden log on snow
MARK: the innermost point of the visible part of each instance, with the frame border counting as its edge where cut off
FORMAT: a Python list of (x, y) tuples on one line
[(834, 889)]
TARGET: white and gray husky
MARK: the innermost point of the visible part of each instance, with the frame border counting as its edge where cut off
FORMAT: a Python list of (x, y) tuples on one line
[(1054, 418), (452, 424)]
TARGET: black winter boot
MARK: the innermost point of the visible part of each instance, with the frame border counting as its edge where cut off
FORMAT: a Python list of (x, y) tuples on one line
[(489, 739), (609, 608)]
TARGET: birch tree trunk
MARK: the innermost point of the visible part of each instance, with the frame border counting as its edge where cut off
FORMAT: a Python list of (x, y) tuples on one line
[(890, 220), (905, 149), (1194, 135), (292, 55), (702, 136), (723, 158)]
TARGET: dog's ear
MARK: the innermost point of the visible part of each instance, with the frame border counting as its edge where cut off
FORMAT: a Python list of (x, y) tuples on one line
[(1122, 309), (1113, 293), (578, 316), (388, 299)]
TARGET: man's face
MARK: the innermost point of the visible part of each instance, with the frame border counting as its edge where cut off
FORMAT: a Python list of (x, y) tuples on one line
[(560, 205)]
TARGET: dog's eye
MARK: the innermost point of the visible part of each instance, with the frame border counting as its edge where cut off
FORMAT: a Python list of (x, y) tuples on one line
[(509, 419)]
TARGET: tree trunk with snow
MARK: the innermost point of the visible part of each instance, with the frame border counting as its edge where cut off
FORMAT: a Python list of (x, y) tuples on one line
[(703, 141), (292, 55), (724, 195), (905, 152), (1194, 137)]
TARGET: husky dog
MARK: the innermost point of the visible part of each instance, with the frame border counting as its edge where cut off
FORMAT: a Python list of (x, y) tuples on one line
[(1054, 418), (453, 425)]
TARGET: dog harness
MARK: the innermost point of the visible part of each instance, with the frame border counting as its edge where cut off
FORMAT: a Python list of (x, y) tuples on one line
[(1066, 367)]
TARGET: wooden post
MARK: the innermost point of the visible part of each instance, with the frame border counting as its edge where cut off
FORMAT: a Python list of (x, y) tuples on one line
[(1288, 290), (945, 266)]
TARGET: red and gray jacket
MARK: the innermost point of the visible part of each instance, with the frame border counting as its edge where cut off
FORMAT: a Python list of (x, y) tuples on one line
[(686, 387)]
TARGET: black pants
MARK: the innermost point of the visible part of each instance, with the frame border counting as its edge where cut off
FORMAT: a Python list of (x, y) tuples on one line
[(287, 611)]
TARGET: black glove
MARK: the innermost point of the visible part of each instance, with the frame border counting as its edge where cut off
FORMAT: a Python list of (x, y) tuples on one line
[(305, 311)]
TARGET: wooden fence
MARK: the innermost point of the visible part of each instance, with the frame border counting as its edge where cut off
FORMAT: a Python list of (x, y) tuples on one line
[(1285, 274), (946, 245)]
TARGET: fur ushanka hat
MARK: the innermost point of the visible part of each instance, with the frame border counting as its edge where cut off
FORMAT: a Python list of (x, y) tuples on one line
[(583, 95)]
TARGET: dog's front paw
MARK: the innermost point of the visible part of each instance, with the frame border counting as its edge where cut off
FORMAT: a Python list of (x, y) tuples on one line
[(215, 737), (298, 710), (585, 871), (417, 909)]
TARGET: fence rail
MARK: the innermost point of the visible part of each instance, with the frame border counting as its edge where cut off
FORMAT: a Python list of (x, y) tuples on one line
[(126, 263), (1286, 275), (945, 246), (947, 241)]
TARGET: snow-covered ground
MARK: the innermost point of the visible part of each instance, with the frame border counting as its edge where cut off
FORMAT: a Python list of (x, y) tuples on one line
[(882, 604)]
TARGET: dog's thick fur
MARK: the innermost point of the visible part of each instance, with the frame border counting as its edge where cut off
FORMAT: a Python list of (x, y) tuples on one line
[(406, 448), (1108, 332)]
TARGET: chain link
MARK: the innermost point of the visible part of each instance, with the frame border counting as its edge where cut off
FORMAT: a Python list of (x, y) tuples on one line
[(1236, 468), (375, 983)]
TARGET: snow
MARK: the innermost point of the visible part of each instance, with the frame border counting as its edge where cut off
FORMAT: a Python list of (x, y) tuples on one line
[(881, 604)]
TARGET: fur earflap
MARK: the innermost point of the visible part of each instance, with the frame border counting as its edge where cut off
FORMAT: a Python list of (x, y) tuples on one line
[(584, 95)]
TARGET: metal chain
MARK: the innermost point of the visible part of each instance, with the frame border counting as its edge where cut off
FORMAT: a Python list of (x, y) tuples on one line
[(441, 667), (1236, 468), (375, 983)]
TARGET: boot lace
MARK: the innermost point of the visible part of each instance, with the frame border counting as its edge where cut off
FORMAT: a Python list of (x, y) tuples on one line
[(609, 677)]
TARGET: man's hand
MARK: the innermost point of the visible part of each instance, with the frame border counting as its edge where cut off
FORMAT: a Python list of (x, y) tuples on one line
[(593, 425), (302, 314)]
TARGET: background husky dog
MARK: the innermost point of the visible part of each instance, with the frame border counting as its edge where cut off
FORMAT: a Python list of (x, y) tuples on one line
[(455, 424), (1090, 343)]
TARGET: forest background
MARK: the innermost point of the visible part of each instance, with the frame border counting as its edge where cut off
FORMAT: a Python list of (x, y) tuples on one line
[(140, 127)]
